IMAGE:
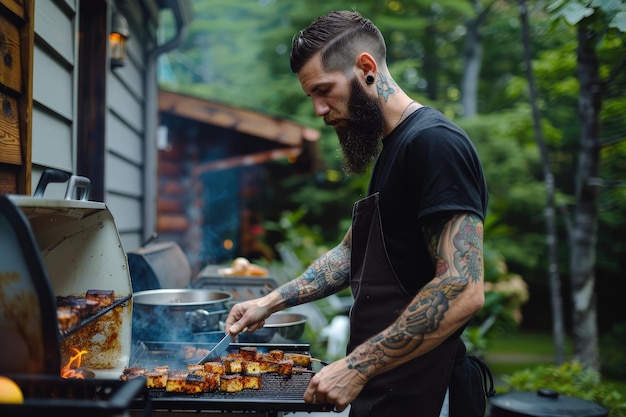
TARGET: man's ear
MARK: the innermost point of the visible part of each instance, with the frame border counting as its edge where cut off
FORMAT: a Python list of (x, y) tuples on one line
[(366, 65)]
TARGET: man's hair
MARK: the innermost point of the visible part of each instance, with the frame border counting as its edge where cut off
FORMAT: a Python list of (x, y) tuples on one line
[(340, 35)]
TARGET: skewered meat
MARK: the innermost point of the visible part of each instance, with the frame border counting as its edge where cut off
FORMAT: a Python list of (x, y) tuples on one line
[(277, 354), (285, 366), (299, 359)]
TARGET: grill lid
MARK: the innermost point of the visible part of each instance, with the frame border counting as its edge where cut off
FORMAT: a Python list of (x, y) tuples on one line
[(30, 342), (545, 403)]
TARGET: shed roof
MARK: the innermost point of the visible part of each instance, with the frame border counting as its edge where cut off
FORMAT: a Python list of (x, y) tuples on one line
[(291, 138)]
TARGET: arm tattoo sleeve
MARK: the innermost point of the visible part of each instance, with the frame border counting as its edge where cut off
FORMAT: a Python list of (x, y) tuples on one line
[(327, 275), (455, 245)]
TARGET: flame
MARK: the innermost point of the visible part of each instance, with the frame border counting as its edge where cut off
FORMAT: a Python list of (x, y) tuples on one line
[(71, 369)]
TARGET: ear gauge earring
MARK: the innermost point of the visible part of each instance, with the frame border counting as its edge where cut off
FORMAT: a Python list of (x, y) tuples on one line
[(369, 79)]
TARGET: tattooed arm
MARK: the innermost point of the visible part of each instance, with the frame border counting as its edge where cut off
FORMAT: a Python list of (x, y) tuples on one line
[(327, 275), (440, 308)]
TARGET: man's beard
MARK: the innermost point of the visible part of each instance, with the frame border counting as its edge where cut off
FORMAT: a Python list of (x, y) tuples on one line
[(360, 136)]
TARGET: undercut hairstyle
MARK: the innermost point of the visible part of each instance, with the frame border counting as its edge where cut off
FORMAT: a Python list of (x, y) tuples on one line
[(340, 36)]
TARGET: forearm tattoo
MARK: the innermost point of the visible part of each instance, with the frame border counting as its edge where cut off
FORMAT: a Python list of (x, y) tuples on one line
[(458, 241), (327, 275)]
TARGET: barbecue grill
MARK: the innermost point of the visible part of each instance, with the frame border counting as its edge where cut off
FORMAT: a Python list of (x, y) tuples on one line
[(64, 248), (72, 247)]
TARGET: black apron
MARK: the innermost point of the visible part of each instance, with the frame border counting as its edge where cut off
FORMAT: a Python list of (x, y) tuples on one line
[(417, 387)]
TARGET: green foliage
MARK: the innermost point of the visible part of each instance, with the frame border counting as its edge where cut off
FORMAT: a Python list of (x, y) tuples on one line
[(570, 379), (237, 53), (611, 13), (505, 294), (613, 355)]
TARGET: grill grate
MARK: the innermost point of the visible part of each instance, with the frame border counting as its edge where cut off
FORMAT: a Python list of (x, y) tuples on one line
[(277, 393), (274, 387)]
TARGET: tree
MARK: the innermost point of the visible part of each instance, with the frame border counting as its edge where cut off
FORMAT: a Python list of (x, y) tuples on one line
[(595, 22), (558, 324)]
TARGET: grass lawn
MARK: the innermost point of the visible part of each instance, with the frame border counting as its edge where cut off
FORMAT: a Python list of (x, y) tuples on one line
[(523, 350)]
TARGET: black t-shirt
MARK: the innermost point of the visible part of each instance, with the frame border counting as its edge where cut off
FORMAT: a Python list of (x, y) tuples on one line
[(427, 166)]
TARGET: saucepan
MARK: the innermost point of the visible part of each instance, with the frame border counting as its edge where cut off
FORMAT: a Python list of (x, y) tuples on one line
[(164, 314)]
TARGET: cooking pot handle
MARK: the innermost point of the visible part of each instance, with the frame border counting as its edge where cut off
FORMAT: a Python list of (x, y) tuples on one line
[(200, 313), (48, 176), (77, 189)]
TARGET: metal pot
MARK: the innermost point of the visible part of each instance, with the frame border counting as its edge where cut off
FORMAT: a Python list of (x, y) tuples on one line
[(544, 403), (279, 328), (162, 315)]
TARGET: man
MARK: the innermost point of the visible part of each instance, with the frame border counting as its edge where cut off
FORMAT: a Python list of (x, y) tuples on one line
[(413, 256)]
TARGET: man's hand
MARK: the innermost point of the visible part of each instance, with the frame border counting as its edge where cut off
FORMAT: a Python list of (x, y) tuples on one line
[(335, 384), (247, 316)]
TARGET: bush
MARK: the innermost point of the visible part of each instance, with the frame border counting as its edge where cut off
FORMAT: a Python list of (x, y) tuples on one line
[(613, 354), (573, 380)]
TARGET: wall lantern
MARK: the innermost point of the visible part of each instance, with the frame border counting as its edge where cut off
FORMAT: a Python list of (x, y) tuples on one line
[(117, 40)]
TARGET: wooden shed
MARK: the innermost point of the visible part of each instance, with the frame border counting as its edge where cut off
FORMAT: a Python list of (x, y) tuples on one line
[(211, 168)]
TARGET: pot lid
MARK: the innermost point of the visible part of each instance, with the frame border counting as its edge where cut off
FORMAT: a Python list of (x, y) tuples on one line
[(547, 403)]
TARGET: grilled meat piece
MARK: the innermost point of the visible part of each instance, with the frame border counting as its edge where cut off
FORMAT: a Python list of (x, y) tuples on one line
[(285, 366), (67, 319), (104, 298), (231, 383), (156, 379), (232, 365), (131, 373), (216, 368), (248, 353), (176, 381), (252, 381), (299, 359), (277, 354), (251, 367)]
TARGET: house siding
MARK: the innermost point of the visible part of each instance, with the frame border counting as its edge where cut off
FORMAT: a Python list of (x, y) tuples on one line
[(54, 90), (54, 112), (125, 138)]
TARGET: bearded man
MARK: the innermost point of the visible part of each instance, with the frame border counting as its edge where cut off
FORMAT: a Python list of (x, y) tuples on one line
[(413, 256)]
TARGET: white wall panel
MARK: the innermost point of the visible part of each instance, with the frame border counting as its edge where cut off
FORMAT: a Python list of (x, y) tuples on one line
[(53, 84), (52, 141), (125, 104), (120, 137), (123, 177), (55, 28), (126, 212)]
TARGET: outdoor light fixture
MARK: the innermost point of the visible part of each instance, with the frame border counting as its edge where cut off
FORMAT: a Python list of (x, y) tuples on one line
[(117, 40)]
